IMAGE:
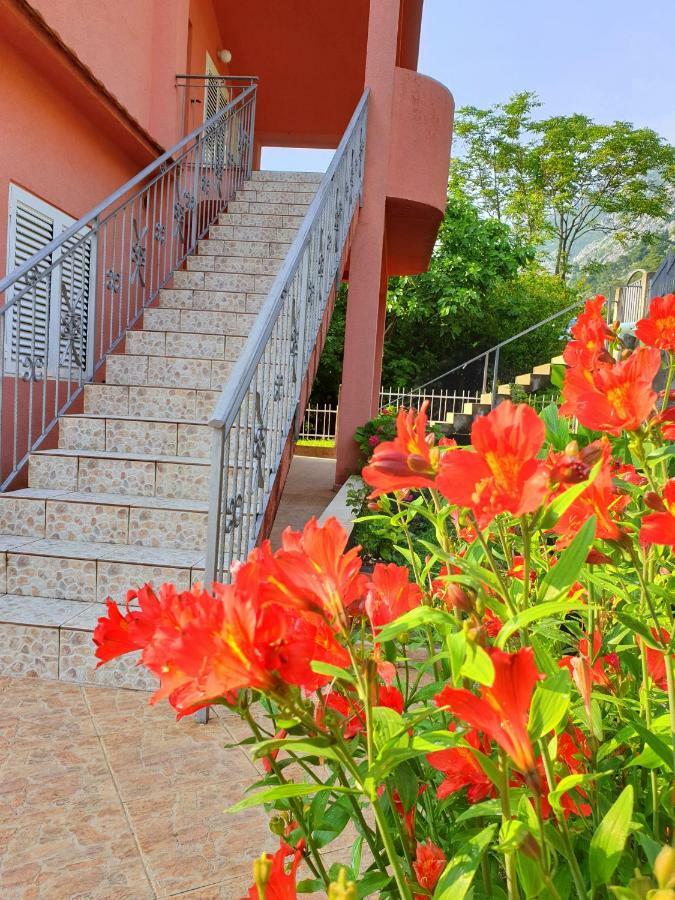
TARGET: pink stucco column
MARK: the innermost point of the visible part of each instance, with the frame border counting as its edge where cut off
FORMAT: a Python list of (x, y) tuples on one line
[(364, 330)]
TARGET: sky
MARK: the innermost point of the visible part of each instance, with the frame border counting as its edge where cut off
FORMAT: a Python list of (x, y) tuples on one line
[(609, 59)]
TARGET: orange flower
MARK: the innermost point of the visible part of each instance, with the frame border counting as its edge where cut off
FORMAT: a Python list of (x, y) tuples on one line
[(461, 769), (589, 668), (428, 867), (502, 474), (589, 332), (613, 398), (600, 499), (409, 461), (313, 570), (390, 594), (666, 422), (658, 329), (204, 646), (277, 882), (502, 710), (656, 660), (659, 527)]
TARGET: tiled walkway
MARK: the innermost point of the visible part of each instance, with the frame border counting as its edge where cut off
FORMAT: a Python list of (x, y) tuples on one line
[(307, 492), (102, 796)]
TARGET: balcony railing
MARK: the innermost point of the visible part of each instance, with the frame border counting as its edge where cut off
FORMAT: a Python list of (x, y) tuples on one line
[(258, 408), (69, 305), (202, 96)]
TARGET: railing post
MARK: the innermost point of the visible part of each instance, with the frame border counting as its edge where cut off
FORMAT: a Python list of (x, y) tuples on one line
[(495, 375), (485, 371)]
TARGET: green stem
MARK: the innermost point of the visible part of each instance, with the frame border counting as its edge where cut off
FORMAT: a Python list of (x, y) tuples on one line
[(527, 552), (493, 565), (647, 705), (387, 840), (509, 857), (670, 683), (669, 381)]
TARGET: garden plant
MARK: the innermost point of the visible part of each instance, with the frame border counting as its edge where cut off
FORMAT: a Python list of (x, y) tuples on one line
[(495, 716)]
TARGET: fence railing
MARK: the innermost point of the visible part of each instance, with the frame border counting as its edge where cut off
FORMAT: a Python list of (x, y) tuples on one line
[(319, 423), (257, 408), (202, 96), (71, 303)]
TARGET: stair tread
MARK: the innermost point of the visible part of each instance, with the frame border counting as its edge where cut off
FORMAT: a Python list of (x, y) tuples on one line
[(46, 612), (123, 553), (172, 420), (132, 457), (108, 499)]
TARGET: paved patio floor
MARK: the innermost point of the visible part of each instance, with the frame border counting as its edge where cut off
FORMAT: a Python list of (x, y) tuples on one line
[(307, 492), (102, 796)]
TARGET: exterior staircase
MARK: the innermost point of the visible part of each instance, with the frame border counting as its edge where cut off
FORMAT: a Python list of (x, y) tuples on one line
[(123, 500), (458, 424)]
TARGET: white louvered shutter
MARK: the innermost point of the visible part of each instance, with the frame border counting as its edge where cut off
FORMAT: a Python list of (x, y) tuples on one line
[(30, 231)]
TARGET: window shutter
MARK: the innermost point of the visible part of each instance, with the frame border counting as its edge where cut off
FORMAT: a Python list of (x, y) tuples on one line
[(32, 230)]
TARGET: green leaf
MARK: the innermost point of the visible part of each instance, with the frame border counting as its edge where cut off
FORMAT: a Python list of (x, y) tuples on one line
[(284, 792), (318, 746), (567, 784), (560, 577), (457, 876), (478, 666), (550, 703), (485, 808), (417, 618), (534, 613), (387, 724), (322, 668), (610, 838)]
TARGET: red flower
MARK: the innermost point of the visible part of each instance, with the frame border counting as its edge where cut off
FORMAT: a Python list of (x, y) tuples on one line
[(277, 882), (517, 570), (502, 710), (461, 769), (312, 570), (588, 669), (407, 815), (352, 711), (590, 331), (656, 661), (666, 421), (600, 499), (613, 398), (203, 646), (492, 623), (409, 461), (503, 474), (271, 757), (658, 329), (659, 527), (390, 594), (428, 867)]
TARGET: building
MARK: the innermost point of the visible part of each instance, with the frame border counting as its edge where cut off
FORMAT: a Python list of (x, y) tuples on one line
[(120, 333)]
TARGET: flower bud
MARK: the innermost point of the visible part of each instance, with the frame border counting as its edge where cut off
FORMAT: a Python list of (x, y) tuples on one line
[(262, 869), (277, 825), (403, 638), (342, 889), (457, 598), (572, 449), (653, 501), (664, 867)]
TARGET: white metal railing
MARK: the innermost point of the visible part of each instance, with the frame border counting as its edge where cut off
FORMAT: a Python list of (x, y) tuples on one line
[(255, 414), (319, 423), (70, 304)]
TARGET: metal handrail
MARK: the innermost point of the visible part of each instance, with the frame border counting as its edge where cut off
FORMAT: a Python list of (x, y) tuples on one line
[(69, 305), (254, 415)]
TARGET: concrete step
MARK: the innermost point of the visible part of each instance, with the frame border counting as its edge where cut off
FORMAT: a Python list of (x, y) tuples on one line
[(168, 371), (139, 474), (125, 434), (143, 402), (184, 343), (91, 571), (476, 409), (104, 518)]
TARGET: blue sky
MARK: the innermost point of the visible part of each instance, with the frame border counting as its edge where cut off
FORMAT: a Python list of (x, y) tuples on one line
[(610, 59)]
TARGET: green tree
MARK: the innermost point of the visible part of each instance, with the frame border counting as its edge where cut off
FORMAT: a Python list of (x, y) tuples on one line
[(564, 177)]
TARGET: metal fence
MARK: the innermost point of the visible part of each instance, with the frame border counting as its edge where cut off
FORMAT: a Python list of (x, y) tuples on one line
[(663, 280), (256, 410), (319, 423), (71, 303)]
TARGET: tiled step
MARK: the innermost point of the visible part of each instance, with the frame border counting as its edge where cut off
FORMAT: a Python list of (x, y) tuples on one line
[(276, 208), (231, 282), (140, 401), (199, 321), (125, 434), (476, 409), (210, 260), (168, 371), (272, 175), (222, 301), (91, 572), (265, 220), (50, 637), (221, 237), (104, 518), (181, 343), (145, 475)]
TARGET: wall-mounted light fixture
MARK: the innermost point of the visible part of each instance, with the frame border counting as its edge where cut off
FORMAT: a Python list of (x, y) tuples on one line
[(225, 56)]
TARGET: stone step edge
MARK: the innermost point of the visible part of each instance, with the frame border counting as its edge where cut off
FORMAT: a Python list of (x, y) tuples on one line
[(126, 457), (135, 501)]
